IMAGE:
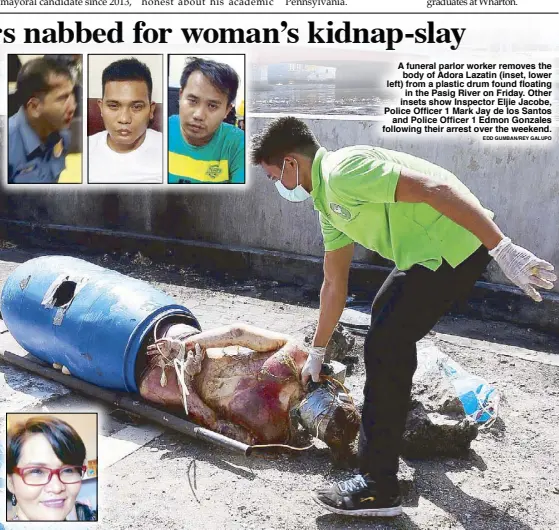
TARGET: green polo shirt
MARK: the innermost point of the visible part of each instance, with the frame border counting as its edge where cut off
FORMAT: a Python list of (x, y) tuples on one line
[(354, 193)]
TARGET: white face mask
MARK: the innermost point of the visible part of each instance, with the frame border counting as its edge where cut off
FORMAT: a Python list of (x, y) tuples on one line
[(297, 194)]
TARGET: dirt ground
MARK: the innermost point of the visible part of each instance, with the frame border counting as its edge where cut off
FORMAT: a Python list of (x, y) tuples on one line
[(509, 480)]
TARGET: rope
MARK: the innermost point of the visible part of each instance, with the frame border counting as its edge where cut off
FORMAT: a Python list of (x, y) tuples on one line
[(286, 360), (180, 367), (179, 363), (339, 383)]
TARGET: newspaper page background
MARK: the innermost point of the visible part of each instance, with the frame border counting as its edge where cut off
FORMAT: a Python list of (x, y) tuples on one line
[(469, 84)]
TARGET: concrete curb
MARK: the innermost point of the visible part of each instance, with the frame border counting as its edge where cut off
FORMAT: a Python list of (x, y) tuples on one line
[(488, 300)]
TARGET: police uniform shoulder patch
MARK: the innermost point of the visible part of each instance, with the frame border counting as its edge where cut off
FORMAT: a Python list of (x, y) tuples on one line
[(340, 210), (58, 149)]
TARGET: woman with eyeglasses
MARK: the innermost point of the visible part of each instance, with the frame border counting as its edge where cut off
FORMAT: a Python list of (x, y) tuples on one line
[(45, 467)]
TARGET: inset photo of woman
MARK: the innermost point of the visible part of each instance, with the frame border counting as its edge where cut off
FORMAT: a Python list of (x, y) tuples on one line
[(51, 467)]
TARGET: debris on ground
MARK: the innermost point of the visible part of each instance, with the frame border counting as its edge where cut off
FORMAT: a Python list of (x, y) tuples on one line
[(6, 245), (341, 343), (140, 259)]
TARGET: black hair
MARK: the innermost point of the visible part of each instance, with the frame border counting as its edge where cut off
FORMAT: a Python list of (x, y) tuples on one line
[(128, 70), (85, 513), (33, 78), (220, 75), (280, 137), (231, 117), (62, 437)]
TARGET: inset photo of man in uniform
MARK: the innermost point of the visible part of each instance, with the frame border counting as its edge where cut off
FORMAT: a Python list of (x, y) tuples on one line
[(44, 134), (204, 146), (124, 119)]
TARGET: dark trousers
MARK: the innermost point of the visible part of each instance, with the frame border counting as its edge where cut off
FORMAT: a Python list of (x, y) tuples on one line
[(407, 306)]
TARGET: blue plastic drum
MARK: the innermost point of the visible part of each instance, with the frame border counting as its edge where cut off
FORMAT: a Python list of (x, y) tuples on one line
[(90, 319)]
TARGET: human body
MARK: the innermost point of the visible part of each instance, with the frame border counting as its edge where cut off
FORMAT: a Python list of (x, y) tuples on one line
[(438, 234), (248, 395)]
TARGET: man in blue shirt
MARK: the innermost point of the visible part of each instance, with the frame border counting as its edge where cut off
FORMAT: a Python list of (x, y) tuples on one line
[(38, 135)]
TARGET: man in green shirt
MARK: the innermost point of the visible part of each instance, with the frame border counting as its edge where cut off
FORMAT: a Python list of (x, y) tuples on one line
[(440, 237)]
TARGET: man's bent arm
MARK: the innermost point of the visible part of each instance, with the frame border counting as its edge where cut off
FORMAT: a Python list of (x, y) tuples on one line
[(333, 293), (417, 187)]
